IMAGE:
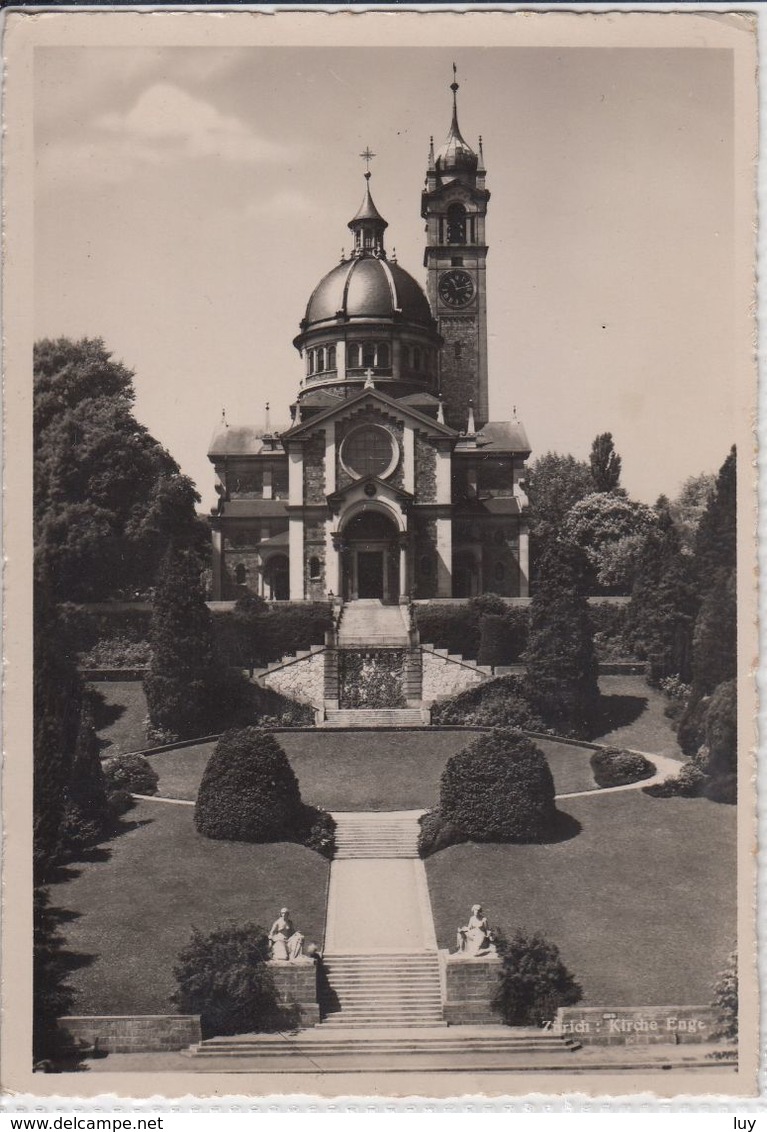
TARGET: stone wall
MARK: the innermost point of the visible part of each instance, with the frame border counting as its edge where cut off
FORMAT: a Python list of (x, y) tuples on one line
[(147, 1033), (302, 680), (442, 677), (459, 374), (296, 986), (636, 1025), (314, 547), (470, 986), (314, 468), (425, 470)]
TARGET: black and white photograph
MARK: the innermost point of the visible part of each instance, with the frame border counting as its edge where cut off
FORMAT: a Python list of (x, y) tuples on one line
[(380, 593)]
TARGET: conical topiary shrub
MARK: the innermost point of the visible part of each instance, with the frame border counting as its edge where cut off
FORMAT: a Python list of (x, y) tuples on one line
[(249, 791)]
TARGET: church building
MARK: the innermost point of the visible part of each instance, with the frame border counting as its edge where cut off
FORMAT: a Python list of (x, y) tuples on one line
[(392, 482)]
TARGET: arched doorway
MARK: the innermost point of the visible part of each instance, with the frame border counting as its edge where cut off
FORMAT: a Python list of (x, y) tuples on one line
[(371, 557)]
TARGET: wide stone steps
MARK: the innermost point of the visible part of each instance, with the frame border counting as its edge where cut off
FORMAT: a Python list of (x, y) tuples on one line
[(383, 990), (376, 717), (338, 1044), (457, 658), (375, 836), (368, 623)]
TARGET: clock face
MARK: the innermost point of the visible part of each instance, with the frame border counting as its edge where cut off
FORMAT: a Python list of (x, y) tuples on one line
[(456, 288)]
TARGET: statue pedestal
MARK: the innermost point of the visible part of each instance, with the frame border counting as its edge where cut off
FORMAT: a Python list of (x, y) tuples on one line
[(470, 986), (296, 985)]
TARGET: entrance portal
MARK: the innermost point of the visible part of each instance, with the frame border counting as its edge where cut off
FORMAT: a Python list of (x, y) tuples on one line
[(370, 573), (371, 558)]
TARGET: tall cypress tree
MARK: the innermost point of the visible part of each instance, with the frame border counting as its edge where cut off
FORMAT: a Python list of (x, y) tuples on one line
[(179, 683), (661, 614), (561, 663), (605, 463)]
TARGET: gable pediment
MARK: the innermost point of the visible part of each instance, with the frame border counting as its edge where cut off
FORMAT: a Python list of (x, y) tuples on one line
[(371, 399), (369, 489)]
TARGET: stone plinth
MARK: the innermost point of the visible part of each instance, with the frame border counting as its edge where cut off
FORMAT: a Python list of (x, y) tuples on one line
[(470, 987), (296, 986), (138, 1033), (635, 1025)]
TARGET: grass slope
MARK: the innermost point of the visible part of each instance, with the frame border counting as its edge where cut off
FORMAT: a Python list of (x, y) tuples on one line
[(370, 770), (641, 902), (133, 911), (120, 715)]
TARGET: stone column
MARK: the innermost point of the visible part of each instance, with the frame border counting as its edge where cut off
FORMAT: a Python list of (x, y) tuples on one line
[(408, 460), (217, 563), (444, 557), (403, 586), (296, 552), (524, 560)]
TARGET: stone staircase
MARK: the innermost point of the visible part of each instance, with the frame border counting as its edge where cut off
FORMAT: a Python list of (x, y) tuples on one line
[(338, 1048), (371, 624), (376, 717), (375, 835), (381, 991)]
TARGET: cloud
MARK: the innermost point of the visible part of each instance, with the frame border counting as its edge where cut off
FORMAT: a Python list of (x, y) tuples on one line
[(166, 119)]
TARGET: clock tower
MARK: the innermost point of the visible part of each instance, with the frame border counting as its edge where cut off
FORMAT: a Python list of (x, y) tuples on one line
[(454, 205)]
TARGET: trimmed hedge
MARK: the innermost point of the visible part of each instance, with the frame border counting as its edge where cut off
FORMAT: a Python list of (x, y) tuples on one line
[(131, 773), (500, 702), (499, 788), (254, 635), (613, 767), (458, 627), (249, 792)]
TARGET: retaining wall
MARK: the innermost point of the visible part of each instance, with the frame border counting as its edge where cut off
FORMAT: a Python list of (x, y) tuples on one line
[(469, 988), (138, 1033)]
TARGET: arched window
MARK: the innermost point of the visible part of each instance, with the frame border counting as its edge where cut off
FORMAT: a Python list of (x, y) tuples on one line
[(331, 357), (416, 358), (383, 356), (314, 568), (310, 362), (240, 574), (458, 350), (320, 359), (353, 355), (456, 224), (368, 354)]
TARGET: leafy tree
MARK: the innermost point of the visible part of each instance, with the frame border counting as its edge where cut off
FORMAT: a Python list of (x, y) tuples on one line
[(534, 981), (223, 977), (605, 463), (609, 528), (181, 682), (715, 638), (715, 544), (107, 496), (561, 679), (722, 730), (499, 788), (661, 614), (554, 484), (726, 1000), (86, 813), (57, 699), (52, 997), (688, 507)]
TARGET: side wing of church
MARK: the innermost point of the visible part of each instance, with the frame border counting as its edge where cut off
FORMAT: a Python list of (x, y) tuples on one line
[(391, 483)]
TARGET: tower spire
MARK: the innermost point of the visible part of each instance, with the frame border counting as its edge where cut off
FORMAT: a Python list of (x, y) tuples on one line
[(368, 225), (455, 87)]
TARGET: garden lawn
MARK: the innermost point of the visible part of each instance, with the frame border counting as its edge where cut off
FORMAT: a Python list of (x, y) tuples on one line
[(641, 902), (367, 770), (633, 716), (134, 911), (120, 715)]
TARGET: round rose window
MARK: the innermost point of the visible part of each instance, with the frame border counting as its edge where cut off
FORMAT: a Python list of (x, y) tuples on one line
[(369, 451)]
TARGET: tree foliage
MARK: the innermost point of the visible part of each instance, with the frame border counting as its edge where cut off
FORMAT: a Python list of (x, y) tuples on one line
[(223, 977), (605, 463), (561, 680), (609, 528), (554, 484), (534, 981), (86, 813), (107, 496), (52, 997), (688, 506), (725, 1002), (661, 613), (182, 680)]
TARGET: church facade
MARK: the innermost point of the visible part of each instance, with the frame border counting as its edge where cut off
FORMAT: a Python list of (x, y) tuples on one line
[(392, 482)]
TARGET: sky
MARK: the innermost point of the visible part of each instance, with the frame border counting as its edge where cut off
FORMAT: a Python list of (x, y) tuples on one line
[(188, 200)]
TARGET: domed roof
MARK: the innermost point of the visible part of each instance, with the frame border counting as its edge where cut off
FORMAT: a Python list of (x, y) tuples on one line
[(368, 287), (455, 154)]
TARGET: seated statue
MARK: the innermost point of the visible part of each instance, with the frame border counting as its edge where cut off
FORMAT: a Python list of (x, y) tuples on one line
[(285, 943), (475, 939)]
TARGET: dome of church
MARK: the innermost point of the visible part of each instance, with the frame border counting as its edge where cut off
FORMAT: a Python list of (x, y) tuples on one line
[(368, 287), (455, 155)]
